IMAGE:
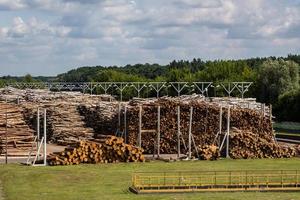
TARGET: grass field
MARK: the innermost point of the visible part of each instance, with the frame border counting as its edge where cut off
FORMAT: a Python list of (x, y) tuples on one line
[(111, 181), (287, 127)]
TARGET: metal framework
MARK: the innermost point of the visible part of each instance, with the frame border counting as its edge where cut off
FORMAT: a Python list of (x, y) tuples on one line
[(201, 87), (218, 181), (41, 143), (242, 87)]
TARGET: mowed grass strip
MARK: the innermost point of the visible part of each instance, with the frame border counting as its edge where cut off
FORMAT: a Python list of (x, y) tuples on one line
[(111, 181)]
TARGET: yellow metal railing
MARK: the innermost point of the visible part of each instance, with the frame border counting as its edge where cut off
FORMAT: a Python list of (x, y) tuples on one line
[(216, 180)]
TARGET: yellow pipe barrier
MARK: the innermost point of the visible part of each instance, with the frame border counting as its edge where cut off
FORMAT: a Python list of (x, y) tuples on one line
[(185, 181)]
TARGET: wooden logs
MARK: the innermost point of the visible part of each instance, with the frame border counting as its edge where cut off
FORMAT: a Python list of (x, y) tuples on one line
[(20, 136), (106, 149), (207, 152), (64, 123), (246, 144), (102, 117), (205, 126)]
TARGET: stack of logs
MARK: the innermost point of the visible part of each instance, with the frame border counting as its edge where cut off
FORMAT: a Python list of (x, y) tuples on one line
[(254, 125), (64, 123), (246, 144), (20, 137), (102, 117), (109, 149), (207, 152)]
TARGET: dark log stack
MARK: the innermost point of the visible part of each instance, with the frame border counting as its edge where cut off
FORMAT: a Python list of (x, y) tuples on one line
[(205, 126), (20, 136), (102, 117), (109, 149), (246, 144)]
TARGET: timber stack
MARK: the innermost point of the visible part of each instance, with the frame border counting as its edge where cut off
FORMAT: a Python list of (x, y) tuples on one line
[(102, 117), (64, 123), (207, 152), (108, 149), (246, 144), (20, 137), (255, 127)]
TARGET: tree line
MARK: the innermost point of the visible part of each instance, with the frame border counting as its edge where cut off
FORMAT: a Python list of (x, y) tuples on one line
[(275, 79)]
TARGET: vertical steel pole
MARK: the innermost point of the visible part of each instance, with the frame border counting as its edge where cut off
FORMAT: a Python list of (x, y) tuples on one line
[(228, 127), (190, 132), (119, 116), (45, 137), (178, 131), (220, 125), (158, 131), (140, 128), (125, 123), (38, 129), (6, 129)]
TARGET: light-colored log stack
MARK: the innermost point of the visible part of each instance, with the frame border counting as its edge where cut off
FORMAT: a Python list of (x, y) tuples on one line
[(45, 96), (20, 136), (109, 149), (64, 123), (207, 152)]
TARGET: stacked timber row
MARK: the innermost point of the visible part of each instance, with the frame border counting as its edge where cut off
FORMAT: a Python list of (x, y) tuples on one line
[(205, 125), (246, 144), (20, 136), (109, 149), (64, 123), (102, 117)]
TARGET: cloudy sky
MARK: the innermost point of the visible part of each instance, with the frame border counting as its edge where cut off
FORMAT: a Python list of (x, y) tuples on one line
[(46, 37)]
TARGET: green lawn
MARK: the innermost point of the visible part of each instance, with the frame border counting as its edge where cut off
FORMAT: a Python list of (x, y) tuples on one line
[(111, 181), (287, 127)]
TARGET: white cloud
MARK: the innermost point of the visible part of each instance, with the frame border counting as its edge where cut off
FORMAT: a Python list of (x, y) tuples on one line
[(12, 4), (33, 27), (105, 32)]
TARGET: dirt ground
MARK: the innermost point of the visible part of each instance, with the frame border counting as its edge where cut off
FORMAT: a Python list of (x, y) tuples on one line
[(50, 148)]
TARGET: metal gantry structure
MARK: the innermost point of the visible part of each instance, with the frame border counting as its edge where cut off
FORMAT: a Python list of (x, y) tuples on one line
[(119, 87)]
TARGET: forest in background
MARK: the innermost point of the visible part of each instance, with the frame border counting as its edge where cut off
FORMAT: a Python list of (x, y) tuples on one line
[(275, 79)]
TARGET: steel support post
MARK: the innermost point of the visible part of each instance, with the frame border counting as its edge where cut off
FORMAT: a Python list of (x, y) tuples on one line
[(140, 127), (178, 131), (158, 131), (45, 137), (190, 132), (220, 123), (38, 129), (6, 132), (125, 124), (228, 133)]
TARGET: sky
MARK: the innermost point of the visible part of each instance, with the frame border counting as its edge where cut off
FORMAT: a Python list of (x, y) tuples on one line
[(47, 37)]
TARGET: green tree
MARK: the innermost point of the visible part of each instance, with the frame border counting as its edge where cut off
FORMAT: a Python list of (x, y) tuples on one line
[(288, 106), (275, 78), (28, 78)]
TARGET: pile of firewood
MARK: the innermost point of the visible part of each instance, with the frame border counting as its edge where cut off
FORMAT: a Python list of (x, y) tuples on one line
[(45, 96), (109, 149), (20, 136), (102, 117), (256, 127), (207, 152), (64, 123), (246, 144)]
